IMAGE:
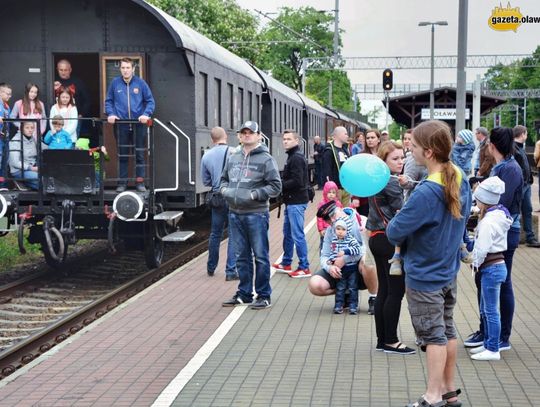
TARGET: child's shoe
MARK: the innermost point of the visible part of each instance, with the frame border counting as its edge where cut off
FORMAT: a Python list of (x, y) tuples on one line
[(338, 310), (395, 265), (466, 256), (353, 310)]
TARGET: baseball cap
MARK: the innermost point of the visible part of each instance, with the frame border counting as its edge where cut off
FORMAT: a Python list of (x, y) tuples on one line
[(253, 126)]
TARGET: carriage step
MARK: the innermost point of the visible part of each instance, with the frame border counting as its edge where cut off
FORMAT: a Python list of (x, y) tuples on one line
[(180, 236), (169, 215)]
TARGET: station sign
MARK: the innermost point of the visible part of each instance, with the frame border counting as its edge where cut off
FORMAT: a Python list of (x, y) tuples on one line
[(444, 114)]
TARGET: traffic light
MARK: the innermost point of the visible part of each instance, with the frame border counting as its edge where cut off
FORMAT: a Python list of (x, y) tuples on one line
[(387, 79)]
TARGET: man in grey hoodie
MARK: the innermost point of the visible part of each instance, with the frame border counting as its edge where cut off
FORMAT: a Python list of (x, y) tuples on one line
[(249, 180)]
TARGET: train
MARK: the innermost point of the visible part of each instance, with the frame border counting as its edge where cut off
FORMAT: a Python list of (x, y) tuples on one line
[(196, 83)]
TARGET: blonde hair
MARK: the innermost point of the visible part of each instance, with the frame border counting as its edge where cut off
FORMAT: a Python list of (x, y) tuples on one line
[(386, 148), (436, 136)]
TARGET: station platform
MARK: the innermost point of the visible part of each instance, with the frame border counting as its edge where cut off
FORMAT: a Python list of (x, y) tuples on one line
[(174, 344)]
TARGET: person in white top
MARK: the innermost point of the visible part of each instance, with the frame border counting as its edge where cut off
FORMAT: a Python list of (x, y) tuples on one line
[(65, 107), (488, 260)]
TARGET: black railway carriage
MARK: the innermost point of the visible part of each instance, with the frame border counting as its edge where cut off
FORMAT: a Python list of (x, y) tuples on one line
[(197, 85), (282, 109)]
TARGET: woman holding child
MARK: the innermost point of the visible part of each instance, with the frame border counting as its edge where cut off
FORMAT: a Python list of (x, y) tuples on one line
[(382, 208)]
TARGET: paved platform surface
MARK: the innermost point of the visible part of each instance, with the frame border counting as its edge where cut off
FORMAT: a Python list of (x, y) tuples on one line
[(295, 354)]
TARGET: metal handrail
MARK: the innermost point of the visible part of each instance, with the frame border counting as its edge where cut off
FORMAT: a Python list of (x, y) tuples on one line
[(177, 164), (266, 139), (190, 175)]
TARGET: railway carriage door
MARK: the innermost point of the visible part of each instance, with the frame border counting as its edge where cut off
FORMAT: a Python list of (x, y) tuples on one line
[(109, 68)]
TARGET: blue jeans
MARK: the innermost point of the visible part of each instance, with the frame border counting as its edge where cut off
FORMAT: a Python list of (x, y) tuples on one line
[(526, 213), (293, 235), (219, 220), (249, 233), (492, 278), (507, 301), (30, 178), (348, 280), (125, 135)]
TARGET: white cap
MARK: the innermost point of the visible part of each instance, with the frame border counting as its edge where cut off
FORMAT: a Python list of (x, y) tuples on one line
[(489, 191)]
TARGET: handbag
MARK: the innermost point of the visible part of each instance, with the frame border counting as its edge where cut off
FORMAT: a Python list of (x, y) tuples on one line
[(214, 199)]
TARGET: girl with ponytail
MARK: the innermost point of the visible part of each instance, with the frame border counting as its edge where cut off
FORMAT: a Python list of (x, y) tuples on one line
[(429, 228)]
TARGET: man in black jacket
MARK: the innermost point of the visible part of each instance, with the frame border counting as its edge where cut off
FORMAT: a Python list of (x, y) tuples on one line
[(318, 150), (335, 154), (295, 183), (520, 135)]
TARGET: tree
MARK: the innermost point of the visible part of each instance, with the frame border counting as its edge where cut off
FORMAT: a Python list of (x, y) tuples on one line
[(317, 87), (518, 75), (284, 57), (394, 129), (223, 21)]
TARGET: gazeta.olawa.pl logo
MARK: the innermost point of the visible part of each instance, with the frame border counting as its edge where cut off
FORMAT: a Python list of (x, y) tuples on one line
[(509, 18)]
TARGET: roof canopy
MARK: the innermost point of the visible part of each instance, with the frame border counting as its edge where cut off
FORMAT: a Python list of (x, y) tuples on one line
[(407, 109)]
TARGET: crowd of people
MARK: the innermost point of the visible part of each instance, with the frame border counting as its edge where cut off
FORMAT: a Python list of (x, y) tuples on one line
[(128, 98), (415, 228)]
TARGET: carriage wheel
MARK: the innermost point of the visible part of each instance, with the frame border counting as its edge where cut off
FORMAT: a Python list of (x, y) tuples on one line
[(153, 246)]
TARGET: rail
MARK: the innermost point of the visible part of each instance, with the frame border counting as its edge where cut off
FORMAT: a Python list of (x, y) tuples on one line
[(190, 173), (177, 164)]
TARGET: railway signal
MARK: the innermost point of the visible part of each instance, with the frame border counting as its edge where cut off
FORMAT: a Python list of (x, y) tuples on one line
[(388, 79)]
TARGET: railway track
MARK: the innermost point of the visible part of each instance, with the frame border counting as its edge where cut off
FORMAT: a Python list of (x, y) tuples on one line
[(46, 309)]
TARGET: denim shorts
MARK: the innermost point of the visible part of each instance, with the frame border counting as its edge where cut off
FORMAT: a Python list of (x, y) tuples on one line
[(432, 314), (333, 282)]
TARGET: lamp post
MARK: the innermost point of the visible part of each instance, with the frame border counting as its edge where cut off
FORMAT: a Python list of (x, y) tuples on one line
[(432, 83)]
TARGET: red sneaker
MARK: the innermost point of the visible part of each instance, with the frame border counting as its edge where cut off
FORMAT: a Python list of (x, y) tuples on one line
[(300, 273), (280, 268)]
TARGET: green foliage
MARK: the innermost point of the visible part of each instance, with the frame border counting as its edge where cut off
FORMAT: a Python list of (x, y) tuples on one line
[(284, 59), (395, 130), (317, 86), (9, 252), (517, 76), (223, 21)]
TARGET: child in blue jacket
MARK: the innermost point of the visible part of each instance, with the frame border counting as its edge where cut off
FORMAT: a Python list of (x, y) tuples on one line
[(57, 138), (463, 150)]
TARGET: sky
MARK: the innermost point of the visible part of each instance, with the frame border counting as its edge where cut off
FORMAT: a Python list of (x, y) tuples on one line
[(390, 28)]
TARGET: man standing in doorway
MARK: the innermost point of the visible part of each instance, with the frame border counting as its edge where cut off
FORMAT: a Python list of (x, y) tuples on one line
[(130, 98), (77, 88), (335, 154), (295, 183), (212, 165), (318, 149), (249, 180)]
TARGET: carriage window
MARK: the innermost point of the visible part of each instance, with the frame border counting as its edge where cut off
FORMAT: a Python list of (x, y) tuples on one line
[(217, 102), (231, 105), (258, 107), (241, 116), (280, 118), (203, 99), (250, 105), (275, 115)]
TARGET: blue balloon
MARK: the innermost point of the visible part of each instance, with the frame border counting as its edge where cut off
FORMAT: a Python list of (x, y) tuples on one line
[(364, 175)]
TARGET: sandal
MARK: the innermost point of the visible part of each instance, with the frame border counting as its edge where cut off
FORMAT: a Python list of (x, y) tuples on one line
[(451, 395), (422, 402)]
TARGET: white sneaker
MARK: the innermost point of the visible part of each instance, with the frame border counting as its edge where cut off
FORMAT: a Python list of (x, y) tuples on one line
[(487, 355), (478, 349)]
